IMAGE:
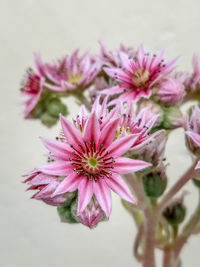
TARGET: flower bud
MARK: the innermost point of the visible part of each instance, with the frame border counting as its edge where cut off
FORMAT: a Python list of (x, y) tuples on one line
[(172, 117), (55, 107), (48, 120), (175, 214), (192, 128), (155, 184), (91, 215), (170, 91)]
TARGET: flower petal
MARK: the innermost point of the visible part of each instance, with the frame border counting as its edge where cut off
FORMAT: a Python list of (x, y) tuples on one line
[(85, 192), (122, 145), (112, 91), (116, 183), (103, 196), (198, 165), (126, 165), (92, 129), (58, 149), (69, 184), (59, 168), (72, 134), (195, 137), (108, 133)]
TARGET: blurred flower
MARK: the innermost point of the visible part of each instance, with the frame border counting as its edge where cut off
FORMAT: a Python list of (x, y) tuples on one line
[(71, 72), (194, 81), (139, 125), (138, 75), (32, 87), (170, 91), (113, 58), (192, 130)]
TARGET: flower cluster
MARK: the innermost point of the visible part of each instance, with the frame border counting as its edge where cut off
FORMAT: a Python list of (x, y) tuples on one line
[(130, 102)]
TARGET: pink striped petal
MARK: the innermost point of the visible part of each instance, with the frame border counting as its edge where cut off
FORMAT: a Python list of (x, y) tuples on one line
[(69, 184), (126, 165), (122, 145), (47, 191), (108, 133), (103, 196), (112, 91), (92, 129), (58, 149), (85, 192), (71, 133), (198, 165), (59, 168), (195, 137), (116, 183)]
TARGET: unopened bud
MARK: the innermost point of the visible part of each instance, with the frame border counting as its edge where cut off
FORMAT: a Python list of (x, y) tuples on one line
[(154, 184), (48, 120), (172, 117), (55, 107), (175, 214)]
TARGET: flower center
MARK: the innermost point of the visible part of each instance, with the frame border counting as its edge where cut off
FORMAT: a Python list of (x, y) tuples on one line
[(92, 162), (74, 78), (140, 77)]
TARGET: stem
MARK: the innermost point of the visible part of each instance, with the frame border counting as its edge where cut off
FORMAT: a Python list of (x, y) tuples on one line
[(150, 222), (149, 256), (139, 256), (187, 231), (83, 100), (190, 173)]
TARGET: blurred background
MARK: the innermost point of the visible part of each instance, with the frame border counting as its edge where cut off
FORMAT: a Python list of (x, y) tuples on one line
[(30, 232)]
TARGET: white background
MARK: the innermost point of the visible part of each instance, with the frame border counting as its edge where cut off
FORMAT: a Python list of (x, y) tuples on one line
[(30, 232)]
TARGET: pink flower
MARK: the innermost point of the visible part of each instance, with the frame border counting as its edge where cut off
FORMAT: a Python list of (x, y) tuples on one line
[(139, 125), (194, 81), (113, 58), (170, 91), (91, 162), (32, 87), (138, 75), (192, 130), (46, 186), (92, 214), (71, 72)]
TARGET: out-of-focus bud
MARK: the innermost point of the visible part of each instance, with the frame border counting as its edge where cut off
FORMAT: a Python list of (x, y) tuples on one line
[(48, 120), (175, 213), (155, 182), (91, 215), (192, 130), (55, 107), (170, 91), (194, 80), (172, 117)]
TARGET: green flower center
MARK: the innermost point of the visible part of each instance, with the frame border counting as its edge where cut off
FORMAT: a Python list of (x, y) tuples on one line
[(92, 162)]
